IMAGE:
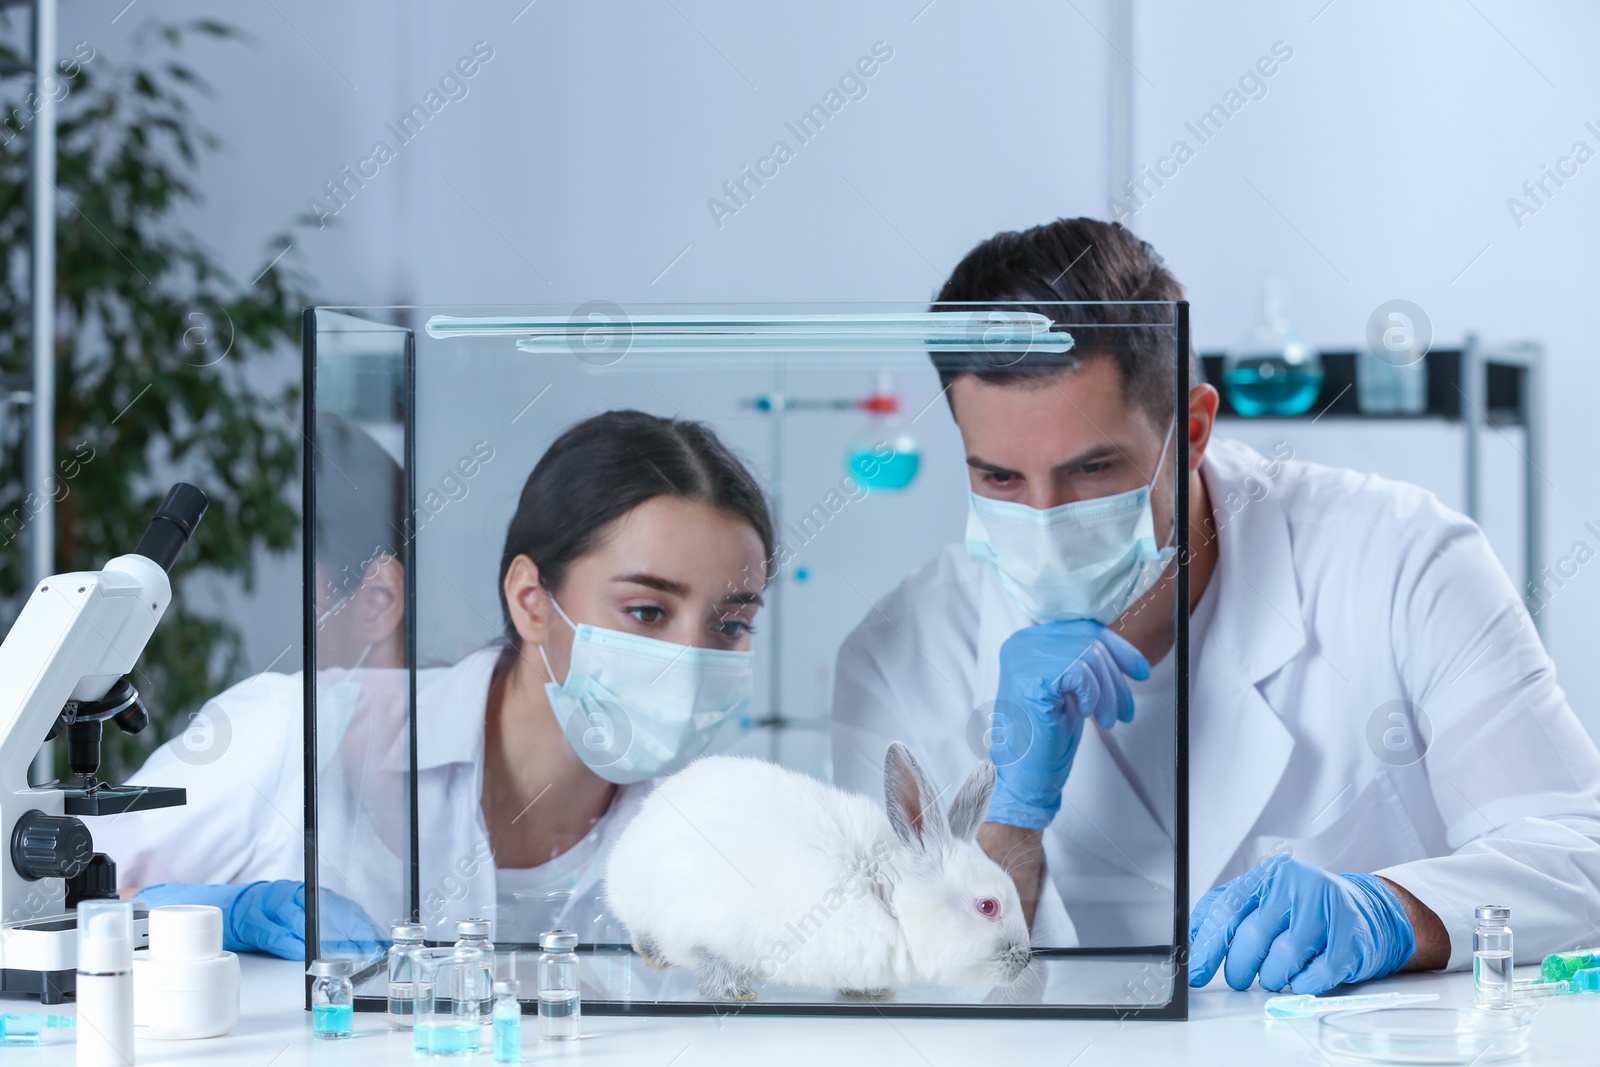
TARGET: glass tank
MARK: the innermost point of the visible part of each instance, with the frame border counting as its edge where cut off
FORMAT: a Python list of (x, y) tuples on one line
[(677, 629)]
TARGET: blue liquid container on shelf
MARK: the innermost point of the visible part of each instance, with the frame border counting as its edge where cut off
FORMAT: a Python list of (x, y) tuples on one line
[(1272, 372), (1268, 385)]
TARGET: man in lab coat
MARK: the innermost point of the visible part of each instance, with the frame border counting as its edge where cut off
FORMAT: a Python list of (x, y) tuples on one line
[(1377, 740)]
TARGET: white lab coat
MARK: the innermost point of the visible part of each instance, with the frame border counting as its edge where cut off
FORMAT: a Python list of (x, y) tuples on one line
[(242, 762), (1337, 595)]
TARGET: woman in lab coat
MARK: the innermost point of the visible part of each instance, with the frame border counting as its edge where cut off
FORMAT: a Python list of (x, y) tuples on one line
[(628, 603)]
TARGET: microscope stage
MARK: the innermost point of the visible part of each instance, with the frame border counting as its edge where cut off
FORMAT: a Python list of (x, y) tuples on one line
[(116, 799)]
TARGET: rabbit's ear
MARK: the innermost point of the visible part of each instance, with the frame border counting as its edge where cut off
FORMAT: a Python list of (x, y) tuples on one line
[(972, 802), (913, 805)]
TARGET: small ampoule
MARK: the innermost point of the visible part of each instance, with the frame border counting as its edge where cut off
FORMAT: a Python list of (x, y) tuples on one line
[(507, 1023), (28, 1028), (1492, 957)]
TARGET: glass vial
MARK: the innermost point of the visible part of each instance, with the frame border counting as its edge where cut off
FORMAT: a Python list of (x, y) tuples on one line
[(474, 933), (507, 1023), (559, 1006), (403, 993), (333, 1012), (1491, 957)]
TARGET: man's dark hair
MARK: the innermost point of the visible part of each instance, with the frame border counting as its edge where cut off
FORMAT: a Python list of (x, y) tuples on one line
[(1073, 260)]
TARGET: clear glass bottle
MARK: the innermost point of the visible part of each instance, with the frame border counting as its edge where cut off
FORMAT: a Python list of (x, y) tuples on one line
[(1392, 370), (560, 1008), (1272, 372), (332, 998), (507, 1022), (1492, 957), (403, 992), (474, 933)]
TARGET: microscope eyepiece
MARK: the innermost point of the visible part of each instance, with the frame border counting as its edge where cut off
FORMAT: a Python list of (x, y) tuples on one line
[(173, 525)]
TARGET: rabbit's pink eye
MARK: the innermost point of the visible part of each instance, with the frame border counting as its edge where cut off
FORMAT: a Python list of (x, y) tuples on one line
[(988, 907)]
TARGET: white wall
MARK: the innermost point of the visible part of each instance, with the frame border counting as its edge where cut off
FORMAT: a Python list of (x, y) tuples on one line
[(581, 159), (1377, 166)]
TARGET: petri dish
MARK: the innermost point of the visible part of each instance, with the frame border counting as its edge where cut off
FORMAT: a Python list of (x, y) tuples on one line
[(1426, 1035)]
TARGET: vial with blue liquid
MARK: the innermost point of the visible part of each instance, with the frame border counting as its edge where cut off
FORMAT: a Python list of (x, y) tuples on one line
[(507, 1022), (24, 1029), (332, 999)]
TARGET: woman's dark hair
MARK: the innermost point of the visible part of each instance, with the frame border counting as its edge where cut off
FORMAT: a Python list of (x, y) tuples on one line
[(360, 498), (1074, 260), (603, 468)]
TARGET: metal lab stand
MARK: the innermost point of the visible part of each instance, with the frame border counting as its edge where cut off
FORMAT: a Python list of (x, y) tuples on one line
[(38, 393), (1480, 362), (1484, 389)]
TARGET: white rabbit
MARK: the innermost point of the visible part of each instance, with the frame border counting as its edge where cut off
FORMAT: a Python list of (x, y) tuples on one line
[(747, 872)]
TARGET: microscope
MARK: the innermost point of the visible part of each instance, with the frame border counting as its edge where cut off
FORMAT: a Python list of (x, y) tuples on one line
[(63, 670)]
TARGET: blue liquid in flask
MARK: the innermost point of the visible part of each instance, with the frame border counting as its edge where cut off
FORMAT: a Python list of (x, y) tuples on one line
[(877, 471), (1271, 386)]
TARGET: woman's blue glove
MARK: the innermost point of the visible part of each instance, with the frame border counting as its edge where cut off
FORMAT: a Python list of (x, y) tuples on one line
[(1300, 928), (271, 917), (1052, 678)]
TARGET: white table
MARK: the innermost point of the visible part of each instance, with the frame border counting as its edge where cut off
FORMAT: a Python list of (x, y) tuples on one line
[(1224, 1027)]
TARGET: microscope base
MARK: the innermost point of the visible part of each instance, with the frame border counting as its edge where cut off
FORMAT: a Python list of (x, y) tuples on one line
[(52, 987), (41, 957)]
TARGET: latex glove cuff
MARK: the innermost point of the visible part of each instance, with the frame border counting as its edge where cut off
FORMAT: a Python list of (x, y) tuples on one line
[(1006, 808), (1395, 936)]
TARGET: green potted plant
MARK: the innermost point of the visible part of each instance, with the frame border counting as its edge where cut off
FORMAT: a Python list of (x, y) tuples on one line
[(154, 352)]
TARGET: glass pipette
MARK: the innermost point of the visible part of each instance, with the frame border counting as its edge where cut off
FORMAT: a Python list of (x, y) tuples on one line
[(1304, 1005)]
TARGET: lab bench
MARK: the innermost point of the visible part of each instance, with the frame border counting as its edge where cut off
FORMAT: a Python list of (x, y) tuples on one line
[(1224, 1027)]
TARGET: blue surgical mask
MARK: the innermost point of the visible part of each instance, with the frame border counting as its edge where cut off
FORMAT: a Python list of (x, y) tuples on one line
[(635, 708), (1089, 559), (336, 701), (336, 707)]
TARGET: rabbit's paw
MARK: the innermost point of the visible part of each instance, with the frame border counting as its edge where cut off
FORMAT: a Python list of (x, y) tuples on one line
[(650, 952), (867, 994), (722, 980)]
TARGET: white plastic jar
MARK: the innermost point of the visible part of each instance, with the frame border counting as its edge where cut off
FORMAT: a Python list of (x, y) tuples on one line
[(185, 987)]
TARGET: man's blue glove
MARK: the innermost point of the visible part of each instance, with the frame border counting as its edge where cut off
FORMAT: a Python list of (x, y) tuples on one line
[(271, 917), (1299, 928), (1053, 677)]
